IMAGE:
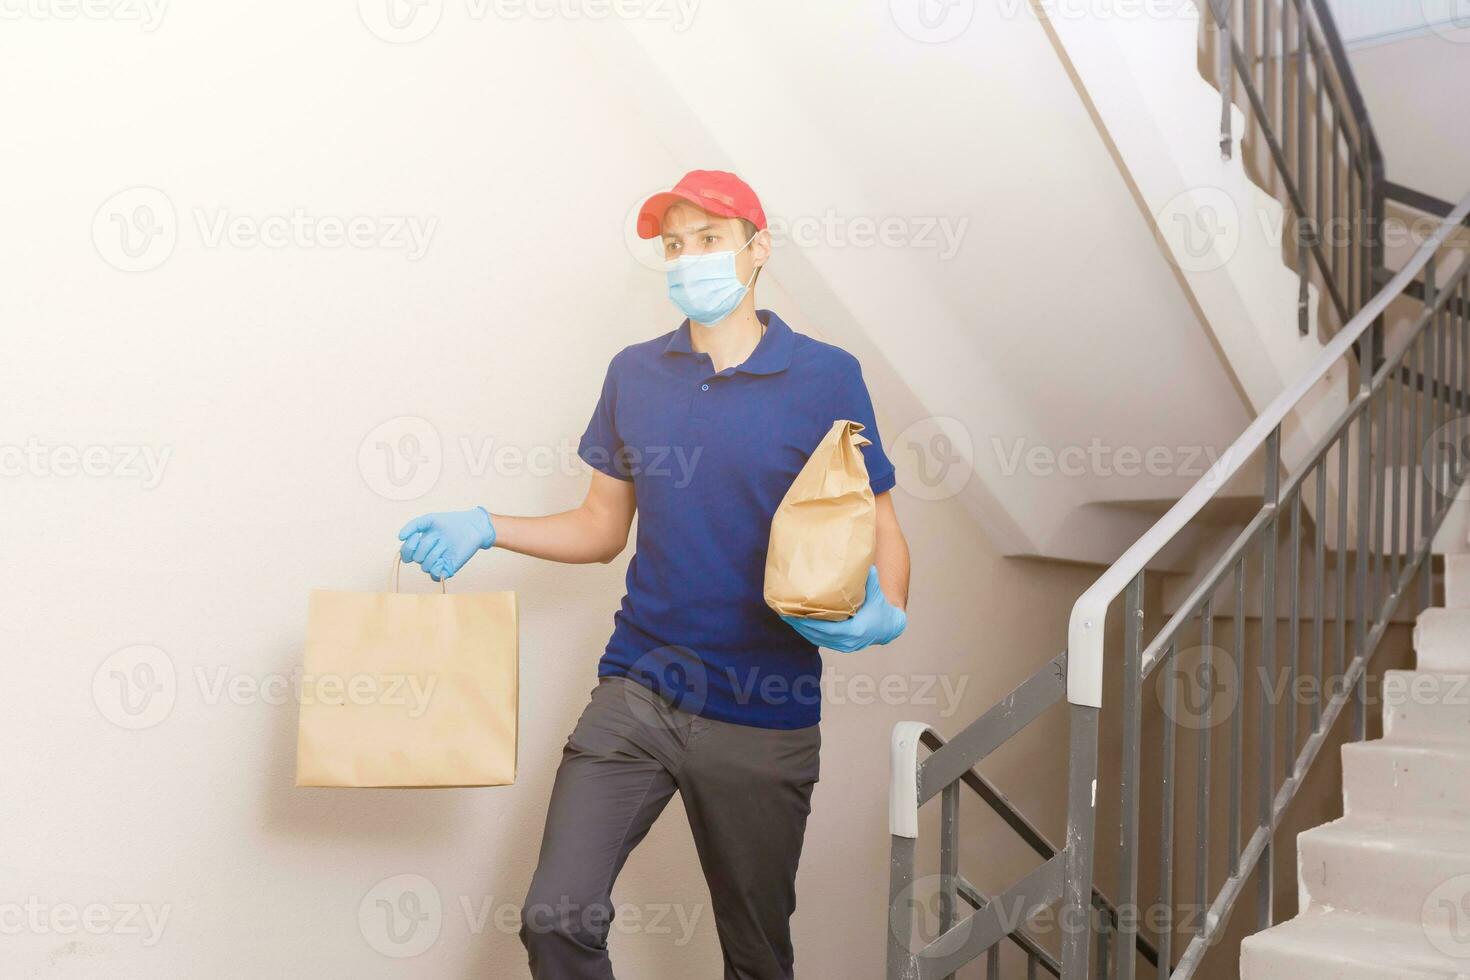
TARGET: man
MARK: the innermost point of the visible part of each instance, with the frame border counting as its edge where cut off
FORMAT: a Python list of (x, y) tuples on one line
[(702, 688)]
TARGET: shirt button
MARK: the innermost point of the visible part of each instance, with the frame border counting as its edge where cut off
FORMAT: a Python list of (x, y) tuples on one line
[(704, 387)]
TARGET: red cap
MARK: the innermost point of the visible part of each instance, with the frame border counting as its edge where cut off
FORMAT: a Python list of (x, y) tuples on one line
[(714, 191)]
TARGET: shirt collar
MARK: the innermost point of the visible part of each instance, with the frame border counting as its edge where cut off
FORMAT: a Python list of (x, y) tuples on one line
[(771, 356)]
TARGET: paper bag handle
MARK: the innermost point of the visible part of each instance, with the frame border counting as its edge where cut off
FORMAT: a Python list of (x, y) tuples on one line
[(398, 564)]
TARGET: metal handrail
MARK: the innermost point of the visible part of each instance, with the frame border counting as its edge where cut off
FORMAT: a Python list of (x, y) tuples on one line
[(1085, 628), (908, 736), (913, 784), (1321, 69), (1034, 838), (1418, 200), (1427, 373)]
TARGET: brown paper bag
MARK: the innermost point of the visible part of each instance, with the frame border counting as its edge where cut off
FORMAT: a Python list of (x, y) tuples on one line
[(822, 535), (409, 690)]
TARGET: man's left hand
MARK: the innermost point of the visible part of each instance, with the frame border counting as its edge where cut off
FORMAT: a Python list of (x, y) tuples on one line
[(877, 621)]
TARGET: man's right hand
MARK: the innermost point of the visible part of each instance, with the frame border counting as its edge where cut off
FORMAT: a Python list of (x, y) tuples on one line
[(443, 542)]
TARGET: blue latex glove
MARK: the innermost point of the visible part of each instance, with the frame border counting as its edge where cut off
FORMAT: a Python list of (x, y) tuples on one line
[(875, 622), (443, 542)]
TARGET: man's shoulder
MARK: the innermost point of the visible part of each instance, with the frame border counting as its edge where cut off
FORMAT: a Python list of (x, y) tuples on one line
[(640, 353), (811, 354)]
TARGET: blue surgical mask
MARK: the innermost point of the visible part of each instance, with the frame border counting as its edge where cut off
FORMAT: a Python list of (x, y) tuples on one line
[(705, 286)]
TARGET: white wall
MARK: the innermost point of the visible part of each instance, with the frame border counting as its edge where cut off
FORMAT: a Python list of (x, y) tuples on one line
[(260, 372), (1418, 94)]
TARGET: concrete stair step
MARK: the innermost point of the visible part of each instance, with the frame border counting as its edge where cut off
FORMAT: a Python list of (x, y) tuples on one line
[(1348, 946), (1382, 868), (1396, 780), (1421, 705), (1442, 640)]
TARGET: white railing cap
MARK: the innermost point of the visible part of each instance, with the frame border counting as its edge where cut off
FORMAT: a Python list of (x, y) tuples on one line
[(903, 786)]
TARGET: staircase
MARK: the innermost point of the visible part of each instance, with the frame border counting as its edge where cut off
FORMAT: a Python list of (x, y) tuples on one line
[(1385, 891), (1357, 458)]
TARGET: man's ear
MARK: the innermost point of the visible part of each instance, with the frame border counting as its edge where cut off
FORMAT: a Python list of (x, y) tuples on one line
[(760, 247)]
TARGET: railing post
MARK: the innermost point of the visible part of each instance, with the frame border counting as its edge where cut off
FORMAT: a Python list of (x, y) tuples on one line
[(1226, 69), (1378, 203), (1365, 519), (1166, 818), (1237, 721), (1381, 457), (1319, 171), (1427, 464), (1441, 405), (1393, 450), (903, 829), (1128, 806), (1457, 385), (1413, 453), (1075, 908), (1462, 373), (902, 964), (949, 858), (1203, 738), (1304, 269), (1293, 639), (1344, 487), (1265, 872), (1285, 42), (1319, 592)]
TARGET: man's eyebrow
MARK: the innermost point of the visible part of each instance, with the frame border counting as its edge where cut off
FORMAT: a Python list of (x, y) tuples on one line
[(695, 231)]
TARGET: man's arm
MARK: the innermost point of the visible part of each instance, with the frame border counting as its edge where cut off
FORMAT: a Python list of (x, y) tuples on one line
[(882, 617), (892, 553), (595, 531)]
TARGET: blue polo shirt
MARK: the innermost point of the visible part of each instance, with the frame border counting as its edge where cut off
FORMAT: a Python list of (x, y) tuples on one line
[(710, 455)]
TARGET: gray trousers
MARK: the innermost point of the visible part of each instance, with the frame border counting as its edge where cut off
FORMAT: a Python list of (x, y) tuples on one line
[(747, 792)]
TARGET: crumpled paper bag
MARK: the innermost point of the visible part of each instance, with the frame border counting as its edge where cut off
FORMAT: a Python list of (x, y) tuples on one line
[(823, 534)]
